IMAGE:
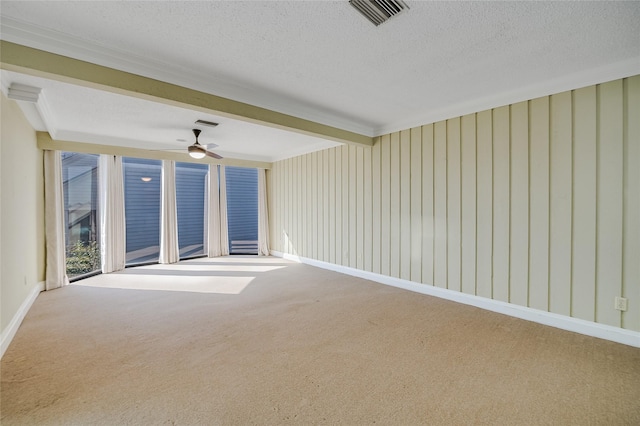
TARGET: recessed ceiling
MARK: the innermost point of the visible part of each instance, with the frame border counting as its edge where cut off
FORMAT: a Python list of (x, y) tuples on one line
[(81, 114), (322, 61)]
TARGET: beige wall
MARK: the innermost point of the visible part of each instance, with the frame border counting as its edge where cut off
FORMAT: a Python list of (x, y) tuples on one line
[(536, 204), (22, 254)]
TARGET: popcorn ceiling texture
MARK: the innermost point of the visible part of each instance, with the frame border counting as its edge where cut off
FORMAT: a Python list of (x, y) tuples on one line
[(325, 60)]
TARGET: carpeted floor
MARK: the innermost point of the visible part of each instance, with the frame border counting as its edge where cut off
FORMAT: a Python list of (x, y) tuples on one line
[(263, 341)]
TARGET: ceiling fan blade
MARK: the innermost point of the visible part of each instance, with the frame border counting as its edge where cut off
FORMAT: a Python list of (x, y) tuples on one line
[(213, 155)]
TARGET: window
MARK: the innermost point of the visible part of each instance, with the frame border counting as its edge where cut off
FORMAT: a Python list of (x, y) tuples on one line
[(80, 190), (190, 198), (142, 209), (242, 209)]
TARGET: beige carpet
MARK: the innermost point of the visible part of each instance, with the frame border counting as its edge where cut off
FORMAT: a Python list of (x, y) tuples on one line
[(248, 341)]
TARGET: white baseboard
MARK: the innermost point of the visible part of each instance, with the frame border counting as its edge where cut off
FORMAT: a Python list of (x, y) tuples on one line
[(11, 330), (589, 328)]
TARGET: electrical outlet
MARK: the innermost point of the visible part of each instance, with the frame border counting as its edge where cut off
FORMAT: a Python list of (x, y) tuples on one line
[(621, 303)]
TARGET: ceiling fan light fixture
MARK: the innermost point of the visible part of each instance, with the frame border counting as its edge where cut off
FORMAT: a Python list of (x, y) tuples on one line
[(196, 151)]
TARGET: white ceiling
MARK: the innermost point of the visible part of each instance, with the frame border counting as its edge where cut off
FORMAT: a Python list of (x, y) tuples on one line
[(318, 60)]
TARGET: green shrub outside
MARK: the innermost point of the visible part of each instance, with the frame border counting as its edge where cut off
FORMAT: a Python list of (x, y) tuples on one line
[(83, 258)]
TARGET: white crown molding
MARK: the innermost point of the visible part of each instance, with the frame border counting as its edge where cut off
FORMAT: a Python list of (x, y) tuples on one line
[(574, 81), (601, 331), (37, 37), (48, 119)]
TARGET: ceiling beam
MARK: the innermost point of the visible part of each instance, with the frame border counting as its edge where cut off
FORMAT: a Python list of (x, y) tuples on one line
[(46, 142), (27, 60)]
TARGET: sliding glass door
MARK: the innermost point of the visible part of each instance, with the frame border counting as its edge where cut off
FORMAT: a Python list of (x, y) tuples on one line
[(190, 198), (80, 190), (242, 209), (142, 209)]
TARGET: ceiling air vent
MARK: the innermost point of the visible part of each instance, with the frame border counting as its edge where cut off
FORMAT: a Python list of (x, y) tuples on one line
[(378, 11), (206, 123)]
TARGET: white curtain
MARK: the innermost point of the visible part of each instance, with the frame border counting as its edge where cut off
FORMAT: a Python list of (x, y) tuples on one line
[(55, 271), (112, 220), (224, 228), (169, 250), (212, 207), (263, 215)]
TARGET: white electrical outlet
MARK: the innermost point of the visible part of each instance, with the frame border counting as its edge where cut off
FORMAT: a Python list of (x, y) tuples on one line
[(620, 303)]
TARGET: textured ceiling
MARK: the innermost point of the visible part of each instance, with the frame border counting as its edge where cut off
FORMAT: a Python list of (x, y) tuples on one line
[(321, 60)]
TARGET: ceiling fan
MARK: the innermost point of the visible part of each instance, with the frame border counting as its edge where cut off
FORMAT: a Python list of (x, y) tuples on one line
[(199, 151)]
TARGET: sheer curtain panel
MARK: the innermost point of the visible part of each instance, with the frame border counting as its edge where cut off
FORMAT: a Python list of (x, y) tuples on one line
[(169, 250), (55, 271), (263, 215), (224, 225), (213, 213), (112, 221)]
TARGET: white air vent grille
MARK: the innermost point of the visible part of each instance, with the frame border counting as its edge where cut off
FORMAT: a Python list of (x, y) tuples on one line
[(378, 11)]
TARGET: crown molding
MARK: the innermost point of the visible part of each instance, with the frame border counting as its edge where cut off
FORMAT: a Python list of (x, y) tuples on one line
[(52, 41), (615, 71)]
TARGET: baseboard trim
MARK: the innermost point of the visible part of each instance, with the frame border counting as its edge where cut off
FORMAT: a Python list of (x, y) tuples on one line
[(607, 332), (9, 333)]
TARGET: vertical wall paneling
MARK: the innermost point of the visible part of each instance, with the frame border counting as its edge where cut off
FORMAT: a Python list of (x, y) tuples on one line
[(519, 219), (294, 204), (279, 235), (416, 204), (427, 205), (609, 215), (303, 206), (377, 191), (285, 211), (368, 211), (326, 205), (484, 219), (295, 213), (271, 196), (440, 203), (346, 206), (320, 241), (405, 204), (560, 204), (293, 175), (501, 203), (285, 207), (302, 220), (631, 224), (385, 205), (468, 203), (583, 273), (338, 201), (359, 160), (539, 203), (536, 203), (394, 222), (332, 206), (314, 205), (454, 252), (290, 213), (275, 208), (353, 210), (309, 207)]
